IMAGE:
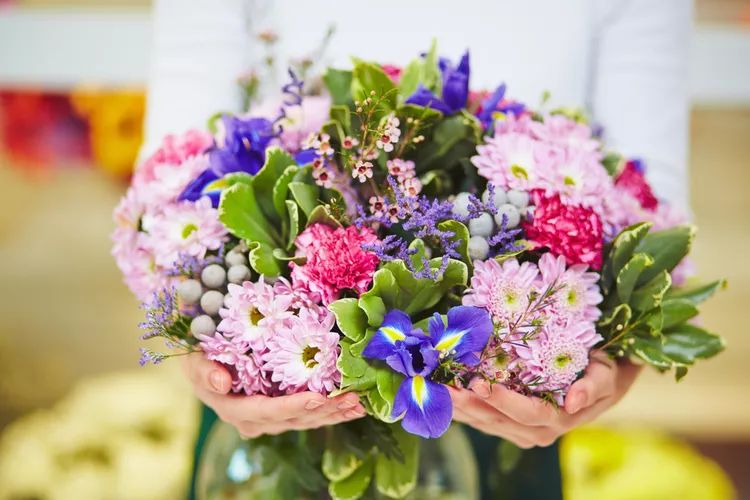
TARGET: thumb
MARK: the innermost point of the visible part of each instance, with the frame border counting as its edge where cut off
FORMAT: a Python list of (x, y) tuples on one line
[(207, 375), (598, 382)]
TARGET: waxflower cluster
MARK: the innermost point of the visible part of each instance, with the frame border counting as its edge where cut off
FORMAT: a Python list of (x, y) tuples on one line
[(400, 234)]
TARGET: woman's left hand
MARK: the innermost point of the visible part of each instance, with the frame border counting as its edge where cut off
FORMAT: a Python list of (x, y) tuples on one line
[(528, 421)]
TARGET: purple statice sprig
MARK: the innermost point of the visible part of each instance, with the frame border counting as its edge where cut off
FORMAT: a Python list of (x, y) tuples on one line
[(504, 242), (293, 97), (164, 319), (190, 266)]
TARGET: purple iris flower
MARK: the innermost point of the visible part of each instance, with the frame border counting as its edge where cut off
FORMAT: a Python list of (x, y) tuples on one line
[(244, 150), (426, 405), (455, 88), (492, 104)]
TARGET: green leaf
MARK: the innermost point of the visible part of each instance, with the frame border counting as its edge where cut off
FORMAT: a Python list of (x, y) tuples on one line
[(373, 301), (651, 351), (305, 195), (277, 161), (629, 273), (339, 83), (358, 347), (677, 311), (342, 115), (240, 213), (369, 77), (686, 343), (432, 77), (355, 485), (615, 321), (322, 215), (623, 247), (411, 76), (359, 384), (653, 321), (651, 294), (335, 131), (453, 138), (696, 294), (281, 188), (212, 124), (262, 259), (293, 212), (338, 461), (680, 373), (461, 233), (613, 163), (413, 295), (379, 406), (348, 364), (396, 479), (388, 382), (426, 116), (352, 320), (508, 455), (281, 255), (667, 247), (238, 178), (436, 183)]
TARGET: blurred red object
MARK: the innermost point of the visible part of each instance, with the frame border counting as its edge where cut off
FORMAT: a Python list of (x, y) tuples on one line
[(39, 130)]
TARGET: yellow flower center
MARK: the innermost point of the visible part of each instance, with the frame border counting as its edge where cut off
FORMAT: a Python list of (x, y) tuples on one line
[(188, 230), (308, 356)]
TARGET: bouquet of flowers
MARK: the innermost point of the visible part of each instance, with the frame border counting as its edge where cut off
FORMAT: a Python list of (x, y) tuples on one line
[(413, 235)]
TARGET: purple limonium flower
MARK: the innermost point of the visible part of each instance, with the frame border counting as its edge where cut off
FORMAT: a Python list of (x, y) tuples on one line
[(495, 104), (455, 88), (505, 239), (426, 405)]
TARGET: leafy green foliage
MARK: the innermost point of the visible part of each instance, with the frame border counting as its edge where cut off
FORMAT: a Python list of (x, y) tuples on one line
[(339, 83), (696, 294), (277, 161), (305, 195), (451, 140), (397, 478), (424, 70), (461, 233), (240, 213), (667, 248), (352, 320), (613, 163), (370, 77), (353, 486)]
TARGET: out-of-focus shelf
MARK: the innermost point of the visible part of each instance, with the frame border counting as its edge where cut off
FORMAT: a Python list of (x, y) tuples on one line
[(69, 42)]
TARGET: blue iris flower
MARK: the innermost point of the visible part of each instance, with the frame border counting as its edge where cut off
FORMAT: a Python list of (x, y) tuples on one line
[(491, 105), (244, 150), (455, 88), (426, 405)]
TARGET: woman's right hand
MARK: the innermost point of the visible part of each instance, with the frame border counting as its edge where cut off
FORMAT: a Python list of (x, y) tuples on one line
[(254, 416)]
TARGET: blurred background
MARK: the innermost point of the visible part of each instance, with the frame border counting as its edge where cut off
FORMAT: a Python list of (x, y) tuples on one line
[(78, 421)]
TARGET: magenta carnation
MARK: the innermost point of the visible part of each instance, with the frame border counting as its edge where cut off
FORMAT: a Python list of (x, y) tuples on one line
[(571, 231), (632, 180), (335, 260)]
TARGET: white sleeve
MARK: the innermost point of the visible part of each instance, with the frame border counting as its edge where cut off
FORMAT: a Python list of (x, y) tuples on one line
[(641, 88), (199, 52)]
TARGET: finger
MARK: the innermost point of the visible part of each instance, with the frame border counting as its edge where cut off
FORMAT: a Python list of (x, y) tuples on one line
[(469, 403), (207, 375), (508, 432), (526, 410), (597, 383), (259, 408)]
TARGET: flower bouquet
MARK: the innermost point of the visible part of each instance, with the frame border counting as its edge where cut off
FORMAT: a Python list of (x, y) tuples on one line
[(418, 235)]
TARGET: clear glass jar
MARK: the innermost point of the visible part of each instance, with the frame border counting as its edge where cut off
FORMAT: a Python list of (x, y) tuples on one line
[(232, 468)]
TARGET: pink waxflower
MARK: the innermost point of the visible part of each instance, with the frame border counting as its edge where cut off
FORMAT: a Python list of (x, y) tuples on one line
[(174, 150), (553, 359), (514, 161), (559, 130), (189, 228), (502, 289), (633, 180), (253, 312), (401, 169), (574, 232), (578, 291), (302, 356), (335, 260)]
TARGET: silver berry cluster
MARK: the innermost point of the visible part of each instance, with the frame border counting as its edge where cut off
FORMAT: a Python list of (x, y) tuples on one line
[(210, 292)]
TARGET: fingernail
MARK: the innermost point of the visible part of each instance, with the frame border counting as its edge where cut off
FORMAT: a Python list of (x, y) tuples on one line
[(216, 381), (313, 403), (345, 404), (574, 403), (481, 390), (360, 412)]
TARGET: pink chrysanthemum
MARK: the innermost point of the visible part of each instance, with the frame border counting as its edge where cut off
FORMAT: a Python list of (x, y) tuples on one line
[(302, 357), (554, 358), (169, 181), (514, 161), (187, 227), (140, 273), (301, 298), (502, 289), (571, 231), (514, 124), (174, 150), (579, 177), (578, 293), (243, 364), (253, 312), (335, 260), (560, 130)]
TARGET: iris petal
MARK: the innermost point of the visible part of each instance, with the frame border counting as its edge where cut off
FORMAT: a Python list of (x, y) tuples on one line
[(426, 406), (423, 97), (396, 326), (196, 189), (468, 331)]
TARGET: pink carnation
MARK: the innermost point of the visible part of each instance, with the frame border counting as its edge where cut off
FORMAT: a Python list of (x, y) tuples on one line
[(303, 355), (335, 260), (175, 149), (393, 72), (571, 231), (632, 180), (189, 228)]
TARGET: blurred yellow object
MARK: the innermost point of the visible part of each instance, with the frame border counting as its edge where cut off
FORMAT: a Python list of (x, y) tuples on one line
[(613, 464), (115, 126), (123, 436)]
